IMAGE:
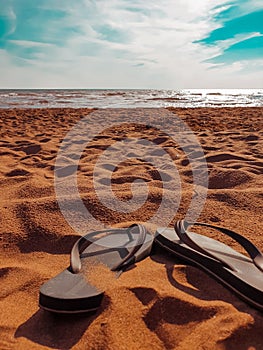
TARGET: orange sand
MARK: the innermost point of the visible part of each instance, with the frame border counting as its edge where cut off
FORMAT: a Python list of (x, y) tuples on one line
[(160, 303)]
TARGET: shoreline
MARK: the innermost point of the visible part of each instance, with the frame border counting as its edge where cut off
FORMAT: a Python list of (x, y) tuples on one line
[(132, 98)]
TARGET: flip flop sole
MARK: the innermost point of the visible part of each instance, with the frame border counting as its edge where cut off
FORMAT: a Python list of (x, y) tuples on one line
[(70, 292), (244, 278)]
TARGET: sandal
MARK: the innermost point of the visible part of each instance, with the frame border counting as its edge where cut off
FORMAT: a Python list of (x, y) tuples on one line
[(70, 291), (242, 274)]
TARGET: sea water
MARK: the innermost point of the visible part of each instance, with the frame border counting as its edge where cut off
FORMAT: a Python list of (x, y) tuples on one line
[(100, 98)]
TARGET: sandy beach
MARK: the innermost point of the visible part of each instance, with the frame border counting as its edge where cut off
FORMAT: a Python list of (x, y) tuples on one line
[(161, 303)]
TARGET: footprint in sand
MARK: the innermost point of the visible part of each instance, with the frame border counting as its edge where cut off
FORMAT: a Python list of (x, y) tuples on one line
[(110, 167), (159, 140), (18, 172), (228, 178), (66, 171), (28, 148), (210, 148), (171, 319), (221, 157), (44, 140), (252, 138)]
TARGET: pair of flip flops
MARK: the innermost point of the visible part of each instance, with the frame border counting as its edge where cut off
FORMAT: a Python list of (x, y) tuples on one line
[(118, 249)]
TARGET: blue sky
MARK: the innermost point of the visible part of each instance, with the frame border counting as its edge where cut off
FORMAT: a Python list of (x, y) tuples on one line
[(131, 44)]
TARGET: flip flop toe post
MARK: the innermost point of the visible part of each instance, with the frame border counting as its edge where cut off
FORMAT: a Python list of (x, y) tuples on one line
[(118, 249), (240, 273)]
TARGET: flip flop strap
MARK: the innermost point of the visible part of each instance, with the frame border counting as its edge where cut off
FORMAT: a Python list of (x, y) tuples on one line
[(83, 242), (252, 250)]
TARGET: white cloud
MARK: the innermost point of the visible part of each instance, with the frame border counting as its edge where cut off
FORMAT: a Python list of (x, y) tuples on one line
[(156, 49), (28, 43)]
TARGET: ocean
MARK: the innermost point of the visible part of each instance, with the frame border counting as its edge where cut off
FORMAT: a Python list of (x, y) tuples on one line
[(100, 98)]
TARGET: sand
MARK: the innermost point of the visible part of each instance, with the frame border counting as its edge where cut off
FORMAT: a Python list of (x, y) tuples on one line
[(161, 303)]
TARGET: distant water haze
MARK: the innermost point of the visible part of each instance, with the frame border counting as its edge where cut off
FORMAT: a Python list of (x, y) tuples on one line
[(93, 98)]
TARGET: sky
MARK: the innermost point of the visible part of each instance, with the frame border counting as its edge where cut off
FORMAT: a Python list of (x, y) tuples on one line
[(177, 44)]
